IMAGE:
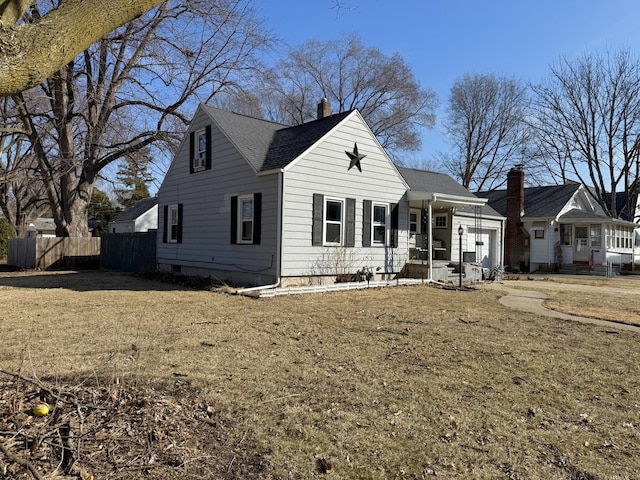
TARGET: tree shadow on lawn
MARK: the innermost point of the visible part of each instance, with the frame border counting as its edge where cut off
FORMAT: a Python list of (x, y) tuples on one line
[(93, 280)]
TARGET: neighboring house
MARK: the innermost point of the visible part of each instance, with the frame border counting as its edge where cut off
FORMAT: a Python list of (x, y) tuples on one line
[(42, 227), (251, 201), (554, 227), (141, 217), (630, 211)]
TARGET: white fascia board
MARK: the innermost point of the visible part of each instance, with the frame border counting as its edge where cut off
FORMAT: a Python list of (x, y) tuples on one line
[(453, 200)]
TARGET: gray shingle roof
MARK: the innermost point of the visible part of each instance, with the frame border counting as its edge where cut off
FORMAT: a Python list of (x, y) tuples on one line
[(577, 214), (539, 202), (436, 182), (268, 145), (138, 209), (426, 181)]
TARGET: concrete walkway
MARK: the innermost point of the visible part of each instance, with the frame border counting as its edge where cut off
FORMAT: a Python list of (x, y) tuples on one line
[(533, 302)]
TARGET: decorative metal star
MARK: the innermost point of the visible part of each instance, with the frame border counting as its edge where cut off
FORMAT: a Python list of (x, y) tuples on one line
[(355, 157)]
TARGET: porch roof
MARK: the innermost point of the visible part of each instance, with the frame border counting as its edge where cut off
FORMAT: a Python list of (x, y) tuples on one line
[(580, 216), (437, 187)]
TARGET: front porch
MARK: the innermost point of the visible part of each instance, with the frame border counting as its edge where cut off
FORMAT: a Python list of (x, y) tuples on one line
[(443, 271)]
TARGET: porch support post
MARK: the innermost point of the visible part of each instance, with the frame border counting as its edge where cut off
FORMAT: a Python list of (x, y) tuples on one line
[(430, 239)]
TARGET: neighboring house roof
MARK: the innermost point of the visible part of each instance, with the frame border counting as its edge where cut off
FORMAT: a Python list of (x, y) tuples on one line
[(44, 224), (268, 145), (538, 201), (621, 205), (140, 208), (577, 214)]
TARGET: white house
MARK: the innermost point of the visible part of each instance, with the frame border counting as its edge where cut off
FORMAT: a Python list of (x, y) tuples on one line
[(559, 227), (141, 217), (255, 202)]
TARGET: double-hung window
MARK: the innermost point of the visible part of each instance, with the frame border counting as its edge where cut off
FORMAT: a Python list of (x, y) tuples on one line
[(379, 224), (245, 218), (174, 222), (172, 232), (333, 215), (200, 160), (333, 221), (200, 150)]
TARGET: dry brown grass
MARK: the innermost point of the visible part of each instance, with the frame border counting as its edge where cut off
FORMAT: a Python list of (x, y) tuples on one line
[(403, 382)]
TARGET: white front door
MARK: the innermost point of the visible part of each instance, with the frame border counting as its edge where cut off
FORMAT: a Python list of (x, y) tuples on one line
[(581, 243)]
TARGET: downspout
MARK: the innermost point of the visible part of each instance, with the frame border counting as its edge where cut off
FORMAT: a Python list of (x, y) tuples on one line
[(278, 262)]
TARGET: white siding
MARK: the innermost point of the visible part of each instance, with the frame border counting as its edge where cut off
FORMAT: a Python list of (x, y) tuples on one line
[(147, 221), (324, 170), (122, 227), (206, 199)]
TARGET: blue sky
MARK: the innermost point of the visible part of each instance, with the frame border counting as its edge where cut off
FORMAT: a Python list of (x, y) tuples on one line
[(442, 40)]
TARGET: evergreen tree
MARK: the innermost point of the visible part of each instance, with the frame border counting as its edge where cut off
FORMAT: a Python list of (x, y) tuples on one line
[(6, 232), (134, 176), (101, 210)]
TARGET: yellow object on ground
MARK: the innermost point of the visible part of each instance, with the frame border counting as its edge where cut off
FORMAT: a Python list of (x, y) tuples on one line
[(40, 410)]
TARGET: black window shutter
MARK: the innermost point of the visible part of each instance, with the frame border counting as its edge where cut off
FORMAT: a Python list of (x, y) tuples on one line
[(257, 217), (234, 220), (316, 227), (166, 227), (350, 225), (179, 234), (394, 225), (208, 148), (192, 150), (366, 223)]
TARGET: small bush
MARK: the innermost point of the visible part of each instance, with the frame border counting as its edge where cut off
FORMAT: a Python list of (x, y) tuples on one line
[(6, 232)]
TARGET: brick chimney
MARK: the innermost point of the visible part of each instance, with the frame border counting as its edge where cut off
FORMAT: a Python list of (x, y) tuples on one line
[(324, 109), (514, 236)]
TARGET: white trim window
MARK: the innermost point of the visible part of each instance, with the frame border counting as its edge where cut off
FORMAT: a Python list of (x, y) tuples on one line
[(440, 220), (174, 223), (414, 221), (200, 160), (379, 224), (333, 218), (245, 219)]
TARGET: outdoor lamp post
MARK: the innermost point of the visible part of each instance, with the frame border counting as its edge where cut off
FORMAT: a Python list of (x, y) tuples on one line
[(460, 232)]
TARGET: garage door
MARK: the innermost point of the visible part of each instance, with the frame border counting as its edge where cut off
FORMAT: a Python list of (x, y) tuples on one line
[(485, 246)]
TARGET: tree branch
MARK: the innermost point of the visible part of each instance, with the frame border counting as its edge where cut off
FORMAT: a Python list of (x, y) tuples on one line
[(30, 53)]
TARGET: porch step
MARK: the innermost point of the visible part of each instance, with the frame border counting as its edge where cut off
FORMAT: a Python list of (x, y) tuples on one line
[(579, 269)]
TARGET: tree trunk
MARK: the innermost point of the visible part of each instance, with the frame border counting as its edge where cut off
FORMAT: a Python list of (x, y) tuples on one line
[(30, 53), (71, 214)]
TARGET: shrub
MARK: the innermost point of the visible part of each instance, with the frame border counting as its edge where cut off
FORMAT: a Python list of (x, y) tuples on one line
[(6, 232)]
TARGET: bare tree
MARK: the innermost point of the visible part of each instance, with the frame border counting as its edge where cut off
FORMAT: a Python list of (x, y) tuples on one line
[(485, 125), (588, 115), (134, 89), (350, 75), (21, 189)]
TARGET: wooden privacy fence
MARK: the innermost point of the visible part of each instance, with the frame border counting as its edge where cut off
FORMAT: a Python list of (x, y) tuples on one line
[(129, 252), (48, 253)]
